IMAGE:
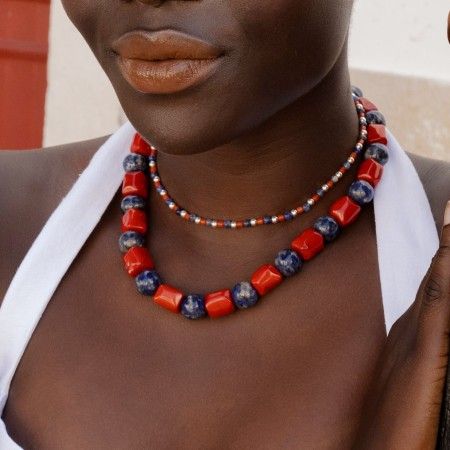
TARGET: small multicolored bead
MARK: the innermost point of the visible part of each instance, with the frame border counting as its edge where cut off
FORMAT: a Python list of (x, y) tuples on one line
[(148, 282), (327, 227), (244, 295), (288, 262), (193, 306)]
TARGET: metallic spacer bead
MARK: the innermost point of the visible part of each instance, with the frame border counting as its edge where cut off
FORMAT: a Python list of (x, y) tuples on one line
[(294, 212), (183, 213), (155, 178), (311, 201), (325, 187), (339, 174), (350, 159), (233, 224), (162, 192), (253, 222), (214, 223), (197, 220), (335, 179), (274, 219)]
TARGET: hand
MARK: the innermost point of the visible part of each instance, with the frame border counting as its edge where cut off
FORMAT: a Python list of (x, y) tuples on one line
[(404, 402)]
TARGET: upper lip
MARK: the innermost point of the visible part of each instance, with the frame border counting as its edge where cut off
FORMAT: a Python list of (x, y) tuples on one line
[(162, 45)]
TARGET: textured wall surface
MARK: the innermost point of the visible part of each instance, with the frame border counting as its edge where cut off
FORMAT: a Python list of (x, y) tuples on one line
[(398, 49)]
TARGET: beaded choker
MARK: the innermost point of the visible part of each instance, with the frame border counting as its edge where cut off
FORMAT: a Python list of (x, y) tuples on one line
[(140, 165)]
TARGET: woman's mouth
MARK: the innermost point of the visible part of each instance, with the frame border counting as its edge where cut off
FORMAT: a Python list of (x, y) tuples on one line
[(165, 61)]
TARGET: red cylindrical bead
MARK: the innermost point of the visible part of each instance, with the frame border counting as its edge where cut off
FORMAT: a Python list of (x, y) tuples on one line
[(135, 183), (168, 297), (134, 220), (344, 210), (219, 303), (141, 146), (367, 104), (376, 134), (370, 171), (308, 244), (137, 259), (266, 278)]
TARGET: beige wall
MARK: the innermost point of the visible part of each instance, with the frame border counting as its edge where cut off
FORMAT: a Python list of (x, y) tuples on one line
[(398, 52)]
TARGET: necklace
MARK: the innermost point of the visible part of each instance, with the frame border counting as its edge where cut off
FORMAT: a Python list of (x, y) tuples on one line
[(146, 153), (289, 261)]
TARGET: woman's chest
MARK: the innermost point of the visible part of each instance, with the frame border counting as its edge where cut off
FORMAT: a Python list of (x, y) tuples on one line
[(107, 368)]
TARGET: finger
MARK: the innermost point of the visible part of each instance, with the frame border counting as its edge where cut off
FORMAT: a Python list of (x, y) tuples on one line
[(434, 295), (434, 291)]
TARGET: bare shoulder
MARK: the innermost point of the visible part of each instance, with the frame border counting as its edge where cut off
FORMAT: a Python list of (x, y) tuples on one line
[(435, 177), (32, 183)]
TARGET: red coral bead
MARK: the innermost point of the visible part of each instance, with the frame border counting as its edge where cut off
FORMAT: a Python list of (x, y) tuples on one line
[(370, 171), (141, 146), (344, 210), (134, 220), (266, 278), (219, 303), (376, 134), (367, 104), (308, 244), (135, 183), (168, 297), (137, 259)]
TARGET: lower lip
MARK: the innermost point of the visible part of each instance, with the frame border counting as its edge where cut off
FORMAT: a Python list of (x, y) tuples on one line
[(167, 76)]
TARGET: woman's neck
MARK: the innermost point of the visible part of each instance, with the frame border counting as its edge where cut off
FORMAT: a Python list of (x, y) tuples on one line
[(275, 166)]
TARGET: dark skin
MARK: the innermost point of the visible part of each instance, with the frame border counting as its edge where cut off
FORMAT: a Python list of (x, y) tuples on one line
[(107, 369)]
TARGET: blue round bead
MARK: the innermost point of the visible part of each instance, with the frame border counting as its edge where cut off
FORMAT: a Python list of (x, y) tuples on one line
[(244, 295), (327, 227), (193, 306), (361, 191), (247, 223), (375, 117), (306, 207), (130, 239), (378, 152), (357, 91), (148, 282), (267, 220), (288, 262), (135, 162), (132, 201)]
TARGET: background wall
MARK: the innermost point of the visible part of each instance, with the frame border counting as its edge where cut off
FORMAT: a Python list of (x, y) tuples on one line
[(398, 51)]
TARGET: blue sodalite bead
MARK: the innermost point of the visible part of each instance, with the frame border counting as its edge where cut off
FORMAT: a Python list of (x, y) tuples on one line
[(288, 262), (135, 162), (361, 191), (193, 306), (132, 201), (267, 220), (357, 91), (244, 295), (148, 282), (227, 223), (247, 223), (130, 239), (379, 152), (375, 117), (327, 227)]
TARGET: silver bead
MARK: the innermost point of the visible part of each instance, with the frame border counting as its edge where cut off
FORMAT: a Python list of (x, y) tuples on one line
[(163, 192), (310, 201), (294, 212), (156, 178), (274, 219), (351, 160), (339, 174), (152, 164), (214, 223), (334, 179), (183, 213), (233, 224), (197, 220), (325, 187), (253, 222)]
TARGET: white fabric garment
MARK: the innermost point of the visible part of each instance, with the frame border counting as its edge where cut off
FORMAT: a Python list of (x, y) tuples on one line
[(405, 230)]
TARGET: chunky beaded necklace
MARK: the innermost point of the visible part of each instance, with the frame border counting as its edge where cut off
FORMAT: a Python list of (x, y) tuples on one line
[(141, 164)]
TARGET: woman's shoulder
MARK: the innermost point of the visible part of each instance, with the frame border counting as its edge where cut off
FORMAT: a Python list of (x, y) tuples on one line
[(32, 184), (435, 177)]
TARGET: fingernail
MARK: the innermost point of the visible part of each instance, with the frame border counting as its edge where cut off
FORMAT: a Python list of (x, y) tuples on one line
[(447, 214)]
